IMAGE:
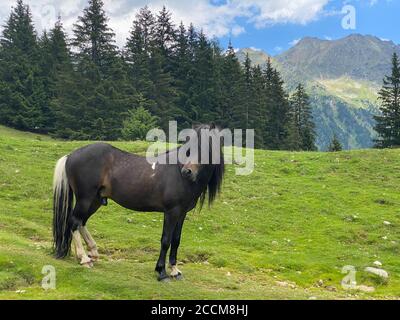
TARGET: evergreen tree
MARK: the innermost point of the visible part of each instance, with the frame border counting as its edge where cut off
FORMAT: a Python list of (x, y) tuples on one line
[(235, 110), (149, 53), (294, 141), (276, 109), (165, 34), (203, 86), (388, 122), (335, 145), (138, 122), (138, 52), (101, 82), (93, 38), (55, 62), (22, 94), (301, 125), (164, 94), (252, 101), (257, 98), (182, 71), (248, 85)]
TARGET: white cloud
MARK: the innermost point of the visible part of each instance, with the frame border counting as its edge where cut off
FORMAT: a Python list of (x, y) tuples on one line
[(216, 18), (268, 12), (294, 42), (238, 30), (372, 2)]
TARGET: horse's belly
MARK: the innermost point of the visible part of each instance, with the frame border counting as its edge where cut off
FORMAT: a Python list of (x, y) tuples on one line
[(139, 205), (138, 199)]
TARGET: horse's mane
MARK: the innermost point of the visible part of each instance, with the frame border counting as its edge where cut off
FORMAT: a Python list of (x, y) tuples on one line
[(214, 184)]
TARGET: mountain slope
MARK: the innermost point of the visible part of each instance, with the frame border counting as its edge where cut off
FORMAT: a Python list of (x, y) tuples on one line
[(257, 57), (342, 77), (356, 56)]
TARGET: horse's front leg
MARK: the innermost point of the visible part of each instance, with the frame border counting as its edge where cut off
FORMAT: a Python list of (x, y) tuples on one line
[(170, 221), (176, 239)]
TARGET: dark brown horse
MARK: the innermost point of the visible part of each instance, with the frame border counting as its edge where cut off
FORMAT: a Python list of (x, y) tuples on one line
[(100, 171)]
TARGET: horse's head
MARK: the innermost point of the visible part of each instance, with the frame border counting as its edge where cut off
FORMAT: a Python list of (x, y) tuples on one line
[(204, 162)]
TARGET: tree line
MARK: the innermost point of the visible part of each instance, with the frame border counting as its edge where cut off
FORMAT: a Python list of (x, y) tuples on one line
[(388, 121), (85, 87)]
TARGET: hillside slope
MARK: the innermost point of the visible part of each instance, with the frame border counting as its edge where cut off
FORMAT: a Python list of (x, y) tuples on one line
[(298, 219)]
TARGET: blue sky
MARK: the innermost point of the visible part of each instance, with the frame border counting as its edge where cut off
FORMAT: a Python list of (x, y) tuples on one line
[(380, 18), (270, 25)]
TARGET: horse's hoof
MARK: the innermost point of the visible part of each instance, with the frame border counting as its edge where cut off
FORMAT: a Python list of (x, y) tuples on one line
[(94, 258), (163, 278), (178, 276), (87, 264)]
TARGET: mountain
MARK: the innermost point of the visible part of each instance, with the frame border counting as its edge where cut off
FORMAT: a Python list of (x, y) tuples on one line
[(257, 56), (356, 56), (342, 77)]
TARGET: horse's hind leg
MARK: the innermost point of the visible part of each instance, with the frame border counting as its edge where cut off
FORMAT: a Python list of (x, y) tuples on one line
[(81, 255), (79, 217), (91, 244), (87, 237)]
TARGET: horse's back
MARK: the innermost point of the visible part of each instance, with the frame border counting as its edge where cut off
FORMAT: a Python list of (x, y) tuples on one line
[(94, 149)]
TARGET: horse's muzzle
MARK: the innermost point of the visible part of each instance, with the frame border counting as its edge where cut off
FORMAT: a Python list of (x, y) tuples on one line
[(187, 173)]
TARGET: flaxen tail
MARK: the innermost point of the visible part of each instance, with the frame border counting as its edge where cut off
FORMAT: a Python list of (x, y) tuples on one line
[(62, 209)]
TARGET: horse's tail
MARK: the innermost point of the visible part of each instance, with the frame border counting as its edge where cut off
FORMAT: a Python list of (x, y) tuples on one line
[(62, 210)]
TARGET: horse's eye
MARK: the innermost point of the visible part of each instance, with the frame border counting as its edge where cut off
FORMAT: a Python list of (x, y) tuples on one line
[(188, 153)]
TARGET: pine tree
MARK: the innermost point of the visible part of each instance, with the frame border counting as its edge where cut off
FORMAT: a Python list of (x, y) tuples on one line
[(138, 122), (258, 118), (22, 94), (235, 111), (165, 34), (248, 92), (388, 122), (203, 86), (149, 53), (93, 38), (100, 82), (301, 125), (165, 94), (182, 70), (55, 62), (138, 52), (276, 109), (293, 141), (335, 145)]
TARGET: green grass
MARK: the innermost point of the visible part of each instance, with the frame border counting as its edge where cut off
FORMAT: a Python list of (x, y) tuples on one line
[(299, 218), (360, 94)]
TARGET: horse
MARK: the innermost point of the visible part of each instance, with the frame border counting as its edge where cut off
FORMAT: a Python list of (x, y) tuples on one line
[(85, 179)]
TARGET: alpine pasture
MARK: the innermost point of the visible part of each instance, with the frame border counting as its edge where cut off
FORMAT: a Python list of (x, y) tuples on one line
[(283, 232)]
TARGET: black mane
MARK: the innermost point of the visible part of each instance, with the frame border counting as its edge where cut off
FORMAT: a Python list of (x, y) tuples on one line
[(214, 184)]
